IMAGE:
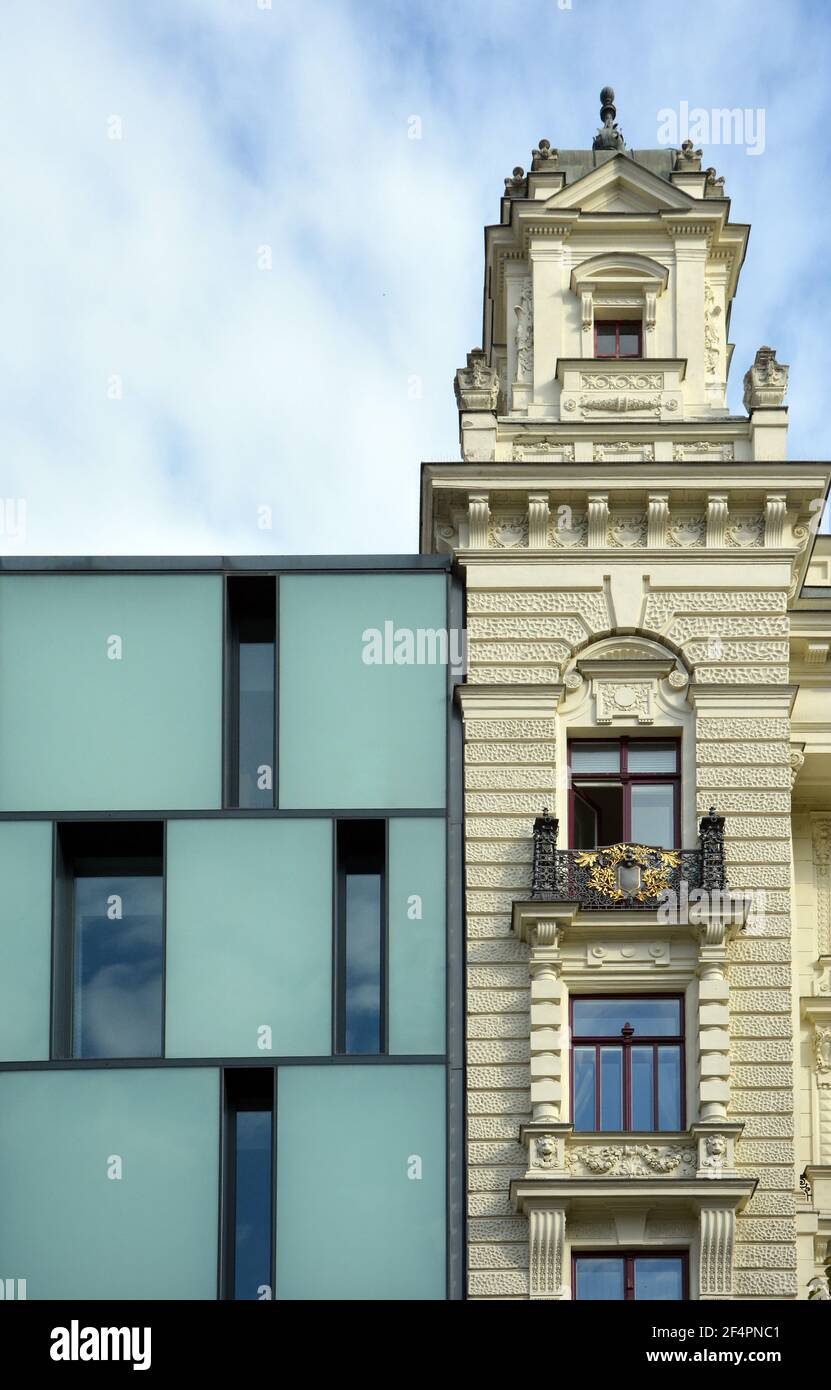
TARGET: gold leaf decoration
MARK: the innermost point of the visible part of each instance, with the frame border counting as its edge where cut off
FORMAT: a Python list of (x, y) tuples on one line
[(657, 866)]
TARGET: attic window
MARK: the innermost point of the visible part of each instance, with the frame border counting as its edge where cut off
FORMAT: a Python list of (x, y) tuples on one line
[(617, 338)]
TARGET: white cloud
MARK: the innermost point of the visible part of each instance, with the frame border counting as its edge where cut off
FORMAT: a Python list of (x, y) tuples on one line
[(243, 127)]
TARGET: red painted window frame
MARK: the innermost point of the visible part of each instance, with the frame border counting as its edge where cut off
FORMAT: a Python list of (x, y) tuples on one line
[(627, 779), (626, 325), (627, 1044), (629, 1257)]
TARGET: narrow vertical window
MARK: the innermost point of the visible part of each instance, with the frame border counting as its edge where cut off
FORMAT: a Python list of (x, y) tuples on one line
[(361, 954), (250, 693), (109, 940), (249, 1183)]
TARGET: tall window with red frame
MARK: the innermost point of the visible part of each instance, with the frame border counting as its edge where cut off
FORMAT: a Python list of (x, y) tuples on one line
[(617, 338), (627, 1063), (625, 789)]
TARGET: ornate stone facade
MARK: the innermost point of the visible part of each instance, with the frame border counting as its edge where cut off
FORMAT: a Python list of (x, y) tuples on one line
[(635, 560)]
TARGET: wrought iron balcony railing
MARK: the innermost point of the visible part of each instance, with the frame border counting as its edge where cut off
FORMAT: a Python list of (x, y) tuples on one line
[(625, 875)]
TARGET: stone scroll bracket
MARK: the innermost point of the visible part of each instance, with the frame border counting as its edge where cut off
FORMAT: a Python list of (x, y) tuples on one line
[(552, 1201), (817, 1013), (821, 845), (717, 1235), (546, 1251)]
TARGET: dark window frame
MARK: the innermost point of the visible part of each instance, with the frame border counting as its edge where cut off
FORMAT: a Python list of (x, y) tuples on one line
[(247, 597), (373, 862), (597, 1041), (92, 848), (628, 1257), (620, 326), (244, 1088), (627, 779)]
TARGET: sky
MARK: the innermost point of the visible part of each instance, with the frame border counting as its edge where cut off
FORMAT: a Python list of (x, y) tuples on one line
[(234, 290)]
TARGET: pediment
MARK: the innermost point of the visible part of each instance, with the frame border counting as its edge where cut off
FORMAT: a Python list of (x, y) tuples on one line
[(618, 198), (622, 185), (637, 661), (626, 648), (619, 268)]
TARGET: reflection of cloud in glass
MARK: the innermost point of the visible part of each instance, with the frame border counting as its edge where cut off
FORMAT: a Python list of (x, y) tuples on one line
[(256, 720), (118, 967), (363, 962)]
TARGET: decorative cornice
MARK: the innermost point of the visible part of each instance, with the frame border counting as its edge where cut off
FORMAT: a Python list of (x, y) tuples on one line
[(693, 1193), (508, 701)]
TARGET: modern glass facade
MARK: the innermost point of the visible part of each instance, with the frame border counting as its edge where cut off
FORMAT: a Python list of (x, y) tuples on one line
[(229, 1038)]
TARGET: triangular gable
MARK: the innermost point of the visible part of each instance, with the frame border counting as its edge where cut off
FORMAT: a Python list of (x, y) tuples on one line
[(622, 185)]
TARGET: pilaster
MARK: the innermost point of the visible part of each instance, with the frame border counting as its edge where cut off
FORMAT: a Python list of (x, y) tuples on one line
[(546, 257), (690, 260)]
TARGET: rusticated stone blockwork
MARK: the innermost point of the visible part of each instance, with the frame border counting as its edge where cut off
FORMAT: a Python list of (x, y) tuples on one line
[(739, 752), (498, 851)]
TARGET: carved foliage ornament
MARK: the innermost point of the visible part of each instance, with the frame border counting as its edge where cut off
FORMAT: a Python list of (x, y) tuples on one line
[(687, 530), (627, 530), (712, 339), (620, 405), (632, 1160), (569, 528), (745, 531), (547, 447), (645, 452), (822, 1056), (622, 381), (508, 531), (525, 333), (703, 446)]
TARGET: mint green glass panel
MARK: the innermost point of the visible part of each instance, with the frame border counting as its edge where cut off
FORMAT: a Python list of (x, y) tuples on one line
[(81, 731), (353, 1218), (249, 937), (418, 943), (25, 939), (354, 734), (69, 1229)]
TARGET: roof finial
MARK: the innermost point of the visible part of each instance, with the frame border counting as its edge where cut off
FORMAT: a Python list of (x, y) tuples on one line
[(608, 136)]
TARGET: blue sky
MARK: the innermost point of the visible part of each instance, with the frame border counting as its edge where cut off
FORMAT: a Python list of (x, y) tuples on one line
[(159, 389)]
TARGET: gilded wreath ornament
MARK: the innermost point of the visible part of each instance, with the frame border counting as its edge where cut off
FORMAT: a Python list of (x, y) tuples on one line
[(656, 869)]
